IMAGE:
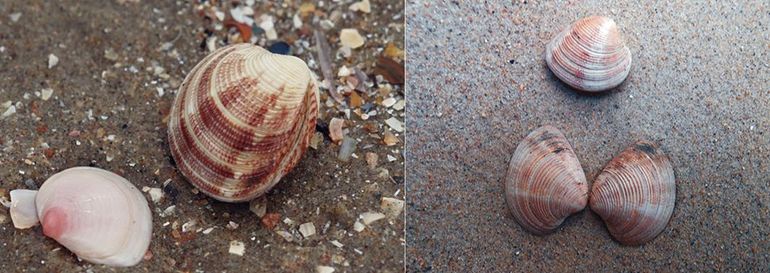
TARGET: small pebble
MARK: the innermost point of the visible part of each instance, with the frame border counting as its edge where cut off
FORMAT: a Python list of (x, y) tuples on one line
[(280, 47), (237, 248), (46, 93), (395, 124), (363, 6), (347, 148), (52, 61), (307, 229), (392, 207), (351, 38), (371, 217), (324, 269)]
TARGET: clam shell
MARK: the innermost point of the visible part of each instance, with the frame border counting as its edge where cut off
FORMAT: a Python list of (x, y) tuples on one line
[(96, 214), (545, 182), (635, 193), (242, 119), (589, 55)]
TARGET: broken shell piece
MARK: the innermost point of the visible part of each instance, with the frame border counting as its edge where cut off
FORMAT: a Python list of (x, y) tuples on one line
[(242, 119), (23, 212), (545, 182), (635, 194), (589, 55), (96, 214)]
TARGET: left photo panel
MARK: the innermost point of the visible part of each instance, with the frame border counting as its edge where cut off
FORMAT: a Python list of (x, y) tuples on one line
[(202, 136)]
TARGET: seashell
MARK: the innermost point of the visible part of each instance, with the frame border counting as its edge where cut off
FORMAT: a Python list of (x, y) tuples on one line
[(242, 119), (96, 214), (589, 55), (635, 194), (545, 182)]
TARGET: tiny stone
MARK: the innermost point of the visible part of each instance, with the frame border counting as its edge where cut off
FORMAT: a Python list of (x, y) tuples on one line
[(110, 54), (307, 229), (208, 230), (392, 207), (10, 111), (388, 102), (46, 93), (232, 225), (15, 16), (343, 72), (389, 139), (358, 227), (337, 243), (335, 129), (286, 235), (237, 248), (324, 269), (347, 148), (363, 6), (155, 194), (351, 38), (371, 160), (52, 60), (371, 217), (391, 158), (318, 137), (395, 124), (399, 105), (258, 206)]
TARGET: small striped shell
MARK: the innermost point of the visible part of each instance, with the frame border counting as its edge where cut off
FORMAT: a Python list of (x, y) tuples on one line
[(635, 194), (545, 182), (589, 55), (242, 119)]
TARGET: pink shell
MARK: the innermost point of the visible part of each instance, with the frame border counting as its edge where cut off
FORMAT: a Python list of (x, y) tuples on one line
[(545, 182), (589, 55), (635, 194), (242, 120)]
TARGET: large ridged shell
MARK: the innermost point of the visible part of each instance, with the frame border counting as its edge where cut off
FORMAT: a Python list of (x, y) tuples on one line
[(545, 182), (242, 120), (635, 194), (589, 55), (96, 214)]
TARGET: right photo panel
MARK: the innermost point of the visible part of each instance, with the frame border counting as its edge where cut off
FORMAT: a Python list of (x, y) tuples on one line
[(585, 136)]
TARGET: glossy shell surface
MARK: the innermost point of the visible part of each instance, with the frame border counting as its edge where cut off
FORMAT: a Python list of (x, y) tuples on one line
[(242, 119), (589, 55), (98, 215), (545, 182), (635, 194)]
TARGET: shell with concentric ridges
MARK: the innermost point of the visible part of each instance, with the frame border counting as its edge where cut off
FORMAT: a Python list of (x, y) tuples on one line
[(242, 119), (635, 194), (589, 55), (545, 182)]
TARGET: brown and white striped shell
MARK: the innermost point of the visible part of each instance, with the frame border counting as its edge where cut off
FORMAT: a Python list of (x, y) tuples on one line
[(242, 120), (635, 194), (589, 55), (545, 182)]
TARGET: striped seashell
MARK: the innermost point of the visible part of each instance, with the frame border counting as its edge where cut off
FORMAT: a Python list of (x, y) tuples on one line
[(635, 194), (545, 182), (242, 120), (589, 55)]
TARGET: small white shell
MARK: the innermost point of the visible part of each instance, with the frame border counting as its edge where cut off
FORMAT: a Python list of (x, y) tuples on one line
[(96, 214)]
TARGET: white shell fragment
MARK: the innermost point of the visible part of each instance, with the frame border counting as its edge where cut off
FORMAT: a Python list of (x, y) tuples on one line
[(23, 212), (96, 214)]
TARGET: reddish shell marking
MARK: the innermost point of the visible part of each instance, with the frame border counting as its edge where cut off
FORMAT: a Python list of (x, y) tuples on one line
[(245, 131), (55, 222)]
